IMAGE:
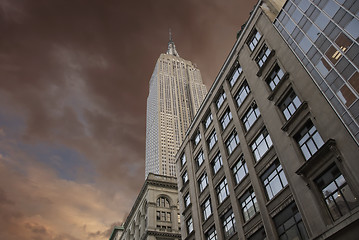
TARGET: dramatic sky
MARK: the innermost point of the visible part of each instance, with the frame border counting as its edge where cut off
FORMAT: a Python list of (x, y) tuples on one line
[(73, 87)]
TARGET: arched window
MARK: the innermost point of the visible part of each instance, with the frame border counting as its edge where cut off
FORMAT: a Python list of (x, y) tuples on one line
[(163, 202)]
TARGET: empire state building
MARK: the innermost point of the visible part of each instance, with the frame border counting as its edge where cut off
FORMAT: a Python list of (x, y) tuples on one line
[(176, 92)]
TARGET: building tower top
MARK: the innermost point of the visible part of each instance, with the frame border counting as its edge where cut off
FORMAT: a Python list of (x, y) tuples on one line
[(171, 46)]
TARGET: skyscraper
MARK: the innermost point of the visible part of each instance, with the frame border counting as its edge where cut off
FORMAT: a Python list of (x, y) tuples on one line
[(175, 94)]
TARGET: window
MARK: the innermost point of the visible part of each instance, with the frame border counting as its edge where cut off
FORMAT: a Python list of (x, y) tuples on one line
[(187, 200), (163, 216), (235, 75), (206, 209), (185, 178), (261, 144), (242, 93), (262, 55), (203, 182), (289, 223), (240, 170), (232, 142), (222, 190), (251, 116), (183, 159), (211, 234), (212, 140), (274, 179), (163, 202), (197, 138), (220, 99), (158, 215), (189, 224), (309, 140), (290, 104), (249, 204), (275, 77), (217, 163), (254, 39), (337, 195), (229, 224), (226, 118), (258, 235), (199, 158), (208, 120)]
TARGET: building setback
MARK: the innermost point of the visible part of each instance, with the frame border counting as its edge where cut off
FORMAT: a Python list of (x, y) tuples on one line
[(268, 155), (175, 94)]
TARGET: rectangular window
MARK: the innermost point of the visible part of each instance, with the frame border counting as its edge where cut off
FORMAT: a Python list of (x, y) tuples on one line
[(309, 140), (262, 55), (168, 217), (187, 200), (232, 142), (290, 104), (240, 170), (226, 118), (337, 194), (197, 138), (242, 93), (258, 235), (222, 191), (289, 223), (249, 204), (254, 40), (189, 224), (211, 234), (208, 120), (235, 75), (275, 77), (212, 140), (229, 224), (217, 163), (220, 99), (183, 159), (158, 215), (185, 178), (203, 182), (274, 179), (206, 209), (261, 144), (251, 116), (199, 158)]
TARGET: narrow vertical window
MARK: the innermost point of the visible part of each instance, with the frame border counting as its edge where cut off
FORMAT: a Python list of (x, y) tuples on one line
[(251, 116), (254, 39), (235, 75), (261, 144), (290, 104), (262, 56), (249, 204), (275, 77), (309, 140), (240, 170), (274, 179), (242, 93)]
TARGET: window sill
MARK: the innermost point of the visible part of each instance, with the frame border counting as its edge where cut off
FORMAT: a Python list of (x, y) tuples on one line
[(314, 162), (289, 122), (275, 90), (259, 73)]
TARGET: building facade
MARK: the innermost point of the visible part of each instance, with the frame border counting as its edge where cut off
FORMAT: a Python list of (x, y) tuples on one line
[(268, 155), (175, 94), (154, 216)]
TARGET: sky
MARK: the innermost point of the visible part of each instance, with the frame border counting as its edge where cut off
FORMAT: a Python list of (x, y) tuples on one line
[(73, 87)]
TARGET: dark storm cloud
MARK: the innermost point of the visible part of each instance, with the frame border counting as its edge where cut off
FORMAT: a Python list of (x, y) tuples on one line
[(75, 74)]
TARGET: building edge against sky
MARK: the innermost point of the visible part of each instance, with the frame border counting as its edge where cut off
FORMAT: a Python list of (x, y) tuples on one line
[(176, 92), (268, 153)]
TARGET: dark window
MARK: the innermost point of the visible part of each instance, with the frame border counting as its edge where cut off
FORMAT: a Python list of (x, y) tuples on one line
[(235, 75), (290, 104), (337, 194), (274, 77), (262, 55), (254, 39), (261, 144), (240, 170), (203, 182), (289, 223), (163, 202), (232, 142), (229, 224), (222, 191), (274, 179), (309, 140), (206, 209), (226, 118), (251, 116), (217, 163), (212, 140), (249, 204), (258, 235), (242, 93)]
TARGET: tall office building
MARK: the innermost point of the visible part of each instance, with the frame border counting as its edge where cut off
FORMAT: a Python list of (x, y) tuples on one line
[(271, 154), (175, 94)]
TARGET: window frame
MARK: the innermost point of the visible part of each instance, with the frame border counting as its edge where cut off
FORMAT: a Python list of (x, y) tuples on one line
[(236, 169), (228, 219), (197, 157), (247, 119), (212, 140), (254, 39), (235, 74), (247, 198), (206, 208), (217, 163), (274, 77), (266, 138), (222, 191), (203, 179), (221, 98), (289, 104), (233, 137), (263, 55), (274, 171), (243, 89), (225, 119)]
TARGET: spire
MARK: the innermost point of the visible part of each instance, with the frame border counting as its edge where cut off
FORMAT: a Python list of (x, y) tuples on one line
[(171, 46)]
